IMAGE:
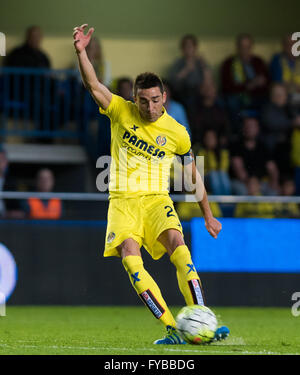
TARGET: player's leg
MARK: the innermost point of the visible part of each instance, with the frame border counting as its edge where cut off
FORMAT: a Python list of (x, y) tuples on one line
[(187, 276), (163, 233), (143, 283)]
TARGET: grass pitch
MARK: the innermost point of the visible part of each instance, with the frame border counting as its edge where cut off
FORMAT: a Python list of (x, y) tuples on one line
[(132, 330)]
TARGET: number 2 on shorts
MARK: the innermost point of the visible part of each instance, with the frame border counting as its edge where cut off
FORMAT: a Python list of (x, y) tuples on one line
[(169, 213)]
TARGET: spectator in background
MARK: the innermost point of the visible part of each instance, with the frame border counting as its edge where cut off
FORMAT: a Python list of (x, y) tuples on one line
[(282, 158), (187, 72), (216, 164), (175, 109), (244, 79), (252, 209), (9, 208), (285, 69), (268, 210), (125, 88), (37, 208), (29, 54), (100, 64), (276, 119), (288, 188), (279, 121), (188, 210), (249, 158), (288, 210), (210, 115), (295, 154)]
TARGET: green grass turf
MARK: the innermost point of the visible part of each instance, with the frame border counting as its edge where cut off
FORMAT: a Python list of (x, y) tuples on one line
[(132, 330)]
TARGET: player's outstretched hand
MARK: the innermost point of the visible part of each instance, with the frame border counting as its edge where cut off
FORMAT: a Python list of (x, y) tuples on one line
[(213, 227), (81, 40)]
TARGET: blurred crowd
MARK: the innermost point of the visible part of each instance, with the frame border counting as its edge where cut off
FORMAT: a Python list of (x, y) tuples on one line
[(248, 125), (31, 208), (245, 119)]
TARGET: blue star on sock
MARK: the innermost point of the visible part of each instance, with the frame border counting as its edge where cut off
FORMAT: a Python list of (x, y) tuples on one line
[(135, 277), (191, 268)]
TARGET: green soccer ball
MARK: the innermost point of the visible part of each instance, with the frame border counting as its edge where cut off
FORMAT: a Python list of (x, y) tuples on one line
[(196, 324)]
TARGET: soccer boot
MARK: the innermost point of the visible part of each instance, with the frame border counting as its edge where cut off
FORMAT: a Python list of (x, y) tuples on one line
[(171, 338), (221, 333)]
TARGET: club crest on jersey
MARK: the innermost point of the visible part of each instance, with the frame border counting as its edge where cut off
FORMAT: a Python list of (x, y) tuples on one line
[(111, 236), (161, 141)]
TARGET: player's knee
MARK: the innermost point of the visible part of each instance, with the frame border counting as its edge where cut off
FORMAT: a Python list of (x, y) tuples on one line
[(126, 252), (174, 246), (174, 243), (128, 247), (171, 239)]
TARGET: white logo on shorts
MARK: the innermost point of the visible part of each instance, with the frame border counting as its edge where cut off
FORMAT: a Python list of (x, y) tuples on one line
[(111, 237)]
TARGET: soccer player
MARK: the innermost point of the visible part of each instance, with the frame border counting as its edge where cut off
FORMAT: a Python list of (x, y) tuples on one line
[(145, 138)]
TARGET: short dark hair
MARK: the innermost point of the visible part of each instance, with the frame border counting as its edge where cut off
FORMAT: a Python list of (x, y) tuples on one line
[(147, 81)]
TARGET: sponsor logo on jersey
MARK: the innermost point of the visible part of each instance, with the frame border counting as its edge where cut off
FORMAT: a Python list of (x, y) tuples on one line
[(196, 291), (143, 145), (152, 303), (161, 140), (111, 236)]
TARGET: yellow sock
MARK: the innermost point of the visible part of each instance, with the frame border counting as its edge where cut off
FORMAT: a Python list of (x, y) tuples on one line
[(147, 289), (188, 279)]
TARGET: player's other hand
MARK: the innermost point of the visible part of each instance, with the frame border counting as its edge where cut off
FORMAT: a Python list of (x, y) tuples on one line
[(213, 226), (80, 39)]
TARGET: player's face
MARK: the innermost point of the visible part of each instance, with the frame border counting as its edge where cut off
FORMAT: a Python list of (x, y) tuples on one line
[(150, 103)]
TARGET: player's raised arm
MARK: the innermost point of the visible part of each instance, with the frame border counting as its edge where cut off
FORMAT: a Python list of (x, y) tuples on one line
[(100, 93), (196, 185)]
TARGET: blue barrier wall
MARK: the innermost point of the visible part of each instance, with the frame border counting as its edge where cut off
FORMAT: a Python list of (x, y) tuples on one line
[(248, 245), (62, 263)]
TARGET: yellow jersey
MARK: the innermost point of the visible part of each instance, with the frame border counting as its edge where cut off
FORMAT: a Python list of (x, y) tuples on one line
[(142, 152)]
